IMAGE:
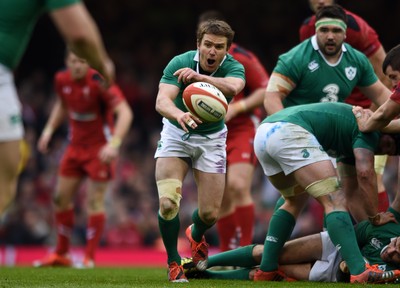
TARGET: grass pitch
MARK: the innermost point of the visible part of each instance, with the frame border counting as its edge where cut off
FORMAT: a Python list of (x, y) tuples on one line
[(127, 277)]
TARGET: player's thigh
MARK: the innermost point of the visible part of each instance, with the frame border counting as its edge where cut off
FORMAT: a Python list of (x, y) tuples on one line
[(171, 168), (66, 189), (314, 172), (173, 154), (95, 195), (210, 188), (303, 249), (9, 158), (239, 180)]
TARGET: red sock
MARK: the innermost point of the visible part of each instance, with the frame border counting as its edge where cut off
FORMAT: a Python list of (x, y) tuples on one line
[(64, 222), (244, 216), (93, 233), (226, 227), (383, 201)]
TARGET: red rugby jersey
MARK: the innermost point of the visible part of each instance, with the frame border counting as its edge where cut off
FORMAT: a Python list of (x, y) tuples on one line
[(256, 77), (396, 94), (90, 106)]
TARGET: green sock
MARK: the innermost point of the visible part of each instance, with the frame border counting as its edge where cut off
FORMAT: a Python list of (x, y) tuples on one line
[(242, 257), (280, 229), (199, 227), (341, 232), (169, 230), (279, 203), (238, 274)]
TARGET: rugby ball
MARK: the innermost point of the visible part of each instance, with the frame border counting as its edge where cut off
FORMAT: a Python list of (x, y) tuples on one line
[(205, 101)]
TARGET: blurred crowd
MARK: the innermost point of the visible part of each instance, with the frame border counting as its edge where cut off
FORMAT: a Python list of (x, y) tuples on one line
[(141, 37)]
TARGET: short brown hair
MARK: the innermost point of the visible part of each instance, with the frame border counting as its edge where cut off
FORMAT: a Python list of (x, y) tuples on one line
[(393, 59), (215, 27)]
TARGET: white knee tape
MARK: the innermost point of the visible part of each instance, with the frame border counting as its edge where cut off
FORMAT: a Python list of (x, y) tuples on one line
[(171, 189), (323, 187), (380, 163)]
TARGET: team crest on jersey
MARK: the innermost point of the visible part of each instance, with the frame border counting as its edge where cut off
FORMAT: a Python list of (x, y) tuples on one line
[(313, 65), (376, 243), (67, 89), (86, 92), (350, 72)]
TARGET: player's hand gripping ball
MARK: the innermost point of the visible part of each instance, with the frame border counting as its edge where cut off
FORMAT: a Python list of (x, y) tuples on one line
[(205, 101)]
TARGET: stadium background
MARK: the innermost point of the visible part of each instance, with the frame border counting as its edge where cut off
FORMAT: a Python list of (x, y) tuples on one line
[(142, 36)]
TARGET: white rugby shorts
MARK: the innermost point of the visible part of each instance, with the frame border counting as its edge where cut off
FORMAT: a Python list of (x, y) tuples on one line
[(207, 153), (324, 270), (283, 146), (11, 126)]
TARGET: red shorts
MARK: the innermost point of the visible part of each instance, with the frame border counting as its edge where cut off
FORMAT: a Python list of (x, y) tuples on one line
[(239, 145), (79, 161)]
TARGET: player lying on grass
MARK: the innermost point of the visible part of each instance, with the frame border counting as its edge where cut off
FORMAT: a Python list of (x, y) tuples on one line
[(315, 257)]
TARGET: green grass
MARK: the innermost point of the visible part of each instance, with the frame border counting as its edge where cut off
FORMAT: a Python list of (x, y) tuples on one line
[(127, 277)]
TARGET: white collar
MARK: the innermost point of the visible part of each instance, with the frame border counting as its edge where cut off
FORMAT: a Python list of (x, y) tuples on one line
[(316, 48), (197, 59)]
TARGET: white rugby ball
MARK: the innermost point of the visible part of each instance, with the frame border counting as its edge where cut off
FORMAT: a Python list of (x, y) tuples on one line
[(205, 101)]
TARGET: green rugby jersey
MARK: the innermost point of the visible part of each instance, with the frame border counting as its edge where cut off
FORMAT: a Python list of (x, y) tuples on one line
[(333, 124), (229, 68), (372, 239), (317, 80)]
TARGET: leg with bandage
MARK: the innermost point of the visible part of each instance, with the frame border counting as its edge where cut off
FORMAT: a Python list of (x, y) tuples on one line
[(338, 222), (170, 195), (282, 224)]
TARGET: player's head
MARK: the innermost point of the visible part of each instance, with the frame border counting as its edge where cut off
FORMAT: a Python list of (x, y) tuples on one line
[(391, 252), (316, 5), (214, 38), (391, 65), (330, 29), (77, 66)]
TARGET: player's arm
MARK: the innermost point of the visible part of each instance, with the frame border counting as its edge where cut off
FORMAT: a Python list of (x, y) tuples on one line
[(124, 117), (377, 92), (376, 60), (256, 82), (367, 193), (380, 119), (229, 86), (83, 37), (396, 201), (249, 103), (363, 193), (57, 116), (279, 87), (166, 107)]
